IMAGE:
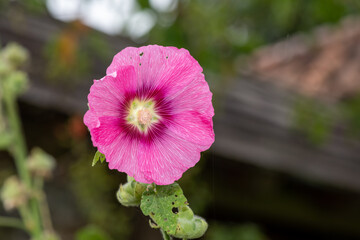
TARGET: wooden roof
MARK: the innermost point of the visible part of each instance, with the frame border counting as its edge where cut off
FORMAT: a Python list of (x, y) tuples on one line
[(324, 63)]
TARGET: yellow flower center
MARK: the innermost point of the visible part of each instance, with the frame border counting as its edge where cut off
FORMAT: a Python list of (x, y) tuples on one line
[(142, 114)]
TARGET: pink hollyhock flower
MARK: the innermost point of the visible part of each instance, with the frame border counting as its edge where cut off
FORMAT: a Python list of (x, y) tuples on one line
[(151, 115)]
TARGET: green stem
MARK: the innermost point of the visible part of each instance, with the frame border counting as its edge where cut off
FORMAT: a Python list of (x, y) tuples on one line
[(44, 206), (165, 235), (11, 222), (19, 152), (19, 149)]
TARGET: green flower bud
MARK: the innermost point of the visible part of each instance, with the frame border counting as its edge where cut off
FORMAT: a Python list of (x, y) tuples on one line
[(40, 163), (15, 83), (189, 226), (130, 193), (14, 54), (13, 193)]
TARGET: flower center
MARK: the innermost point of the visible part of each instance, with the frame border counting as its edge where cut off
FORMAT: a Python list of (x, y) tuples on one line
[(142, 114)]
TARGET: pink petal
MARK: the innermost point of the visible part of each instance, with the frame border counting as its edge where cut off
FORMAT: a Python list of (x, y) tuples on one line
[(107, 95), (166, 160), (161, 162), (91, 120), (192, 113), (159, 67), (194, 128), (107, 132)]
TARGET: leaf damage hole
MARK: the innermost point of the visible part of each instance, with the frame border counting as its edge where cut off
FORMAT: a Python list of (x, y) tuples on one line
[(165, 219), (152, 213), (172, 203), (175, 195), (175, 210), (154, 223)]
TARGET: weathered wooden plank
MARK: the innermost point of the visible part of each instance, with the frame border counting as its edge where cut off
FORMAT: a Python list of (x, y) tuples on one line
[(255, 126)]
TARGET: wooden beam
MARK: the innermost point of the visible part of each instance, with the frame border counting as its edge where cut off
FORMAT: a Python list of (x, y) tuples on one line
[(254, 124)]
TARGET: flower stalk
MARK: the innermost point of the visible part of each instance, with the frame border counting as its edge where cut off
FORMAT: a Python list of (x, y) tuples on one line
[(19, 153), (25, 192)]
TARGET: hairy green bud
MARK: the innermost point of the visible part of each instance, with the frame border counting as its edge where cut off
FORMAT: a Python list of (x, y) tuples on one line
[(13, 193), (40, 163), (130, 193), (14, 54)]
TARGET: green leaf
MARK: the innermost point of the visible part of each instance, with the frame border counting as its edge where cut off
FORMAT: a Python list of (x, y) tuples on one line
[(98, 156), (163, 203)]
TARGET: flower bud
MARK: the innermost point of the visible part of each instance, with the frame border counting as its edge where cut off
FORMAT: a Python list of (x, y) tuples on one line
[(13, 193), (14, 54), (130, 193), (40, 163), (15, 83), (189, 226)]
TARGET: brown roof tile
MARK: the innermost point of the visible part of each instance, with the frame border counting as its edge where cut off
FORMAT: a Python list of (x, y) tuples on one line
[(325, 63)]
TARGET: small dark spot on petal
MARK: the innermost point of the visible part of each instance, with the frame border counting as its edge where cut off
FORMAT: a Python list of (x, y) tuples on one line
[(175, 210), (142, 53), (139, 64), (167, 57)]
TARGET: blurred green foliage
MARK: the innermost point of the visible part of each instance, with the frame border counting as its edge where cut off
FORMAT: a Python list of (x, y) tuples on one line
[(91, 233), (317, 120), (216, 32), (95, 188), (314, 119), (350, 111), (36, 6), (73, 53)]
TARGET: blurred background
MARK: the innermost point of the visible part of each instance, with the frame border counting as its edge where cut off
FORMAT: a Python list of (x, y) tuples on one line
[(286, 81)]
